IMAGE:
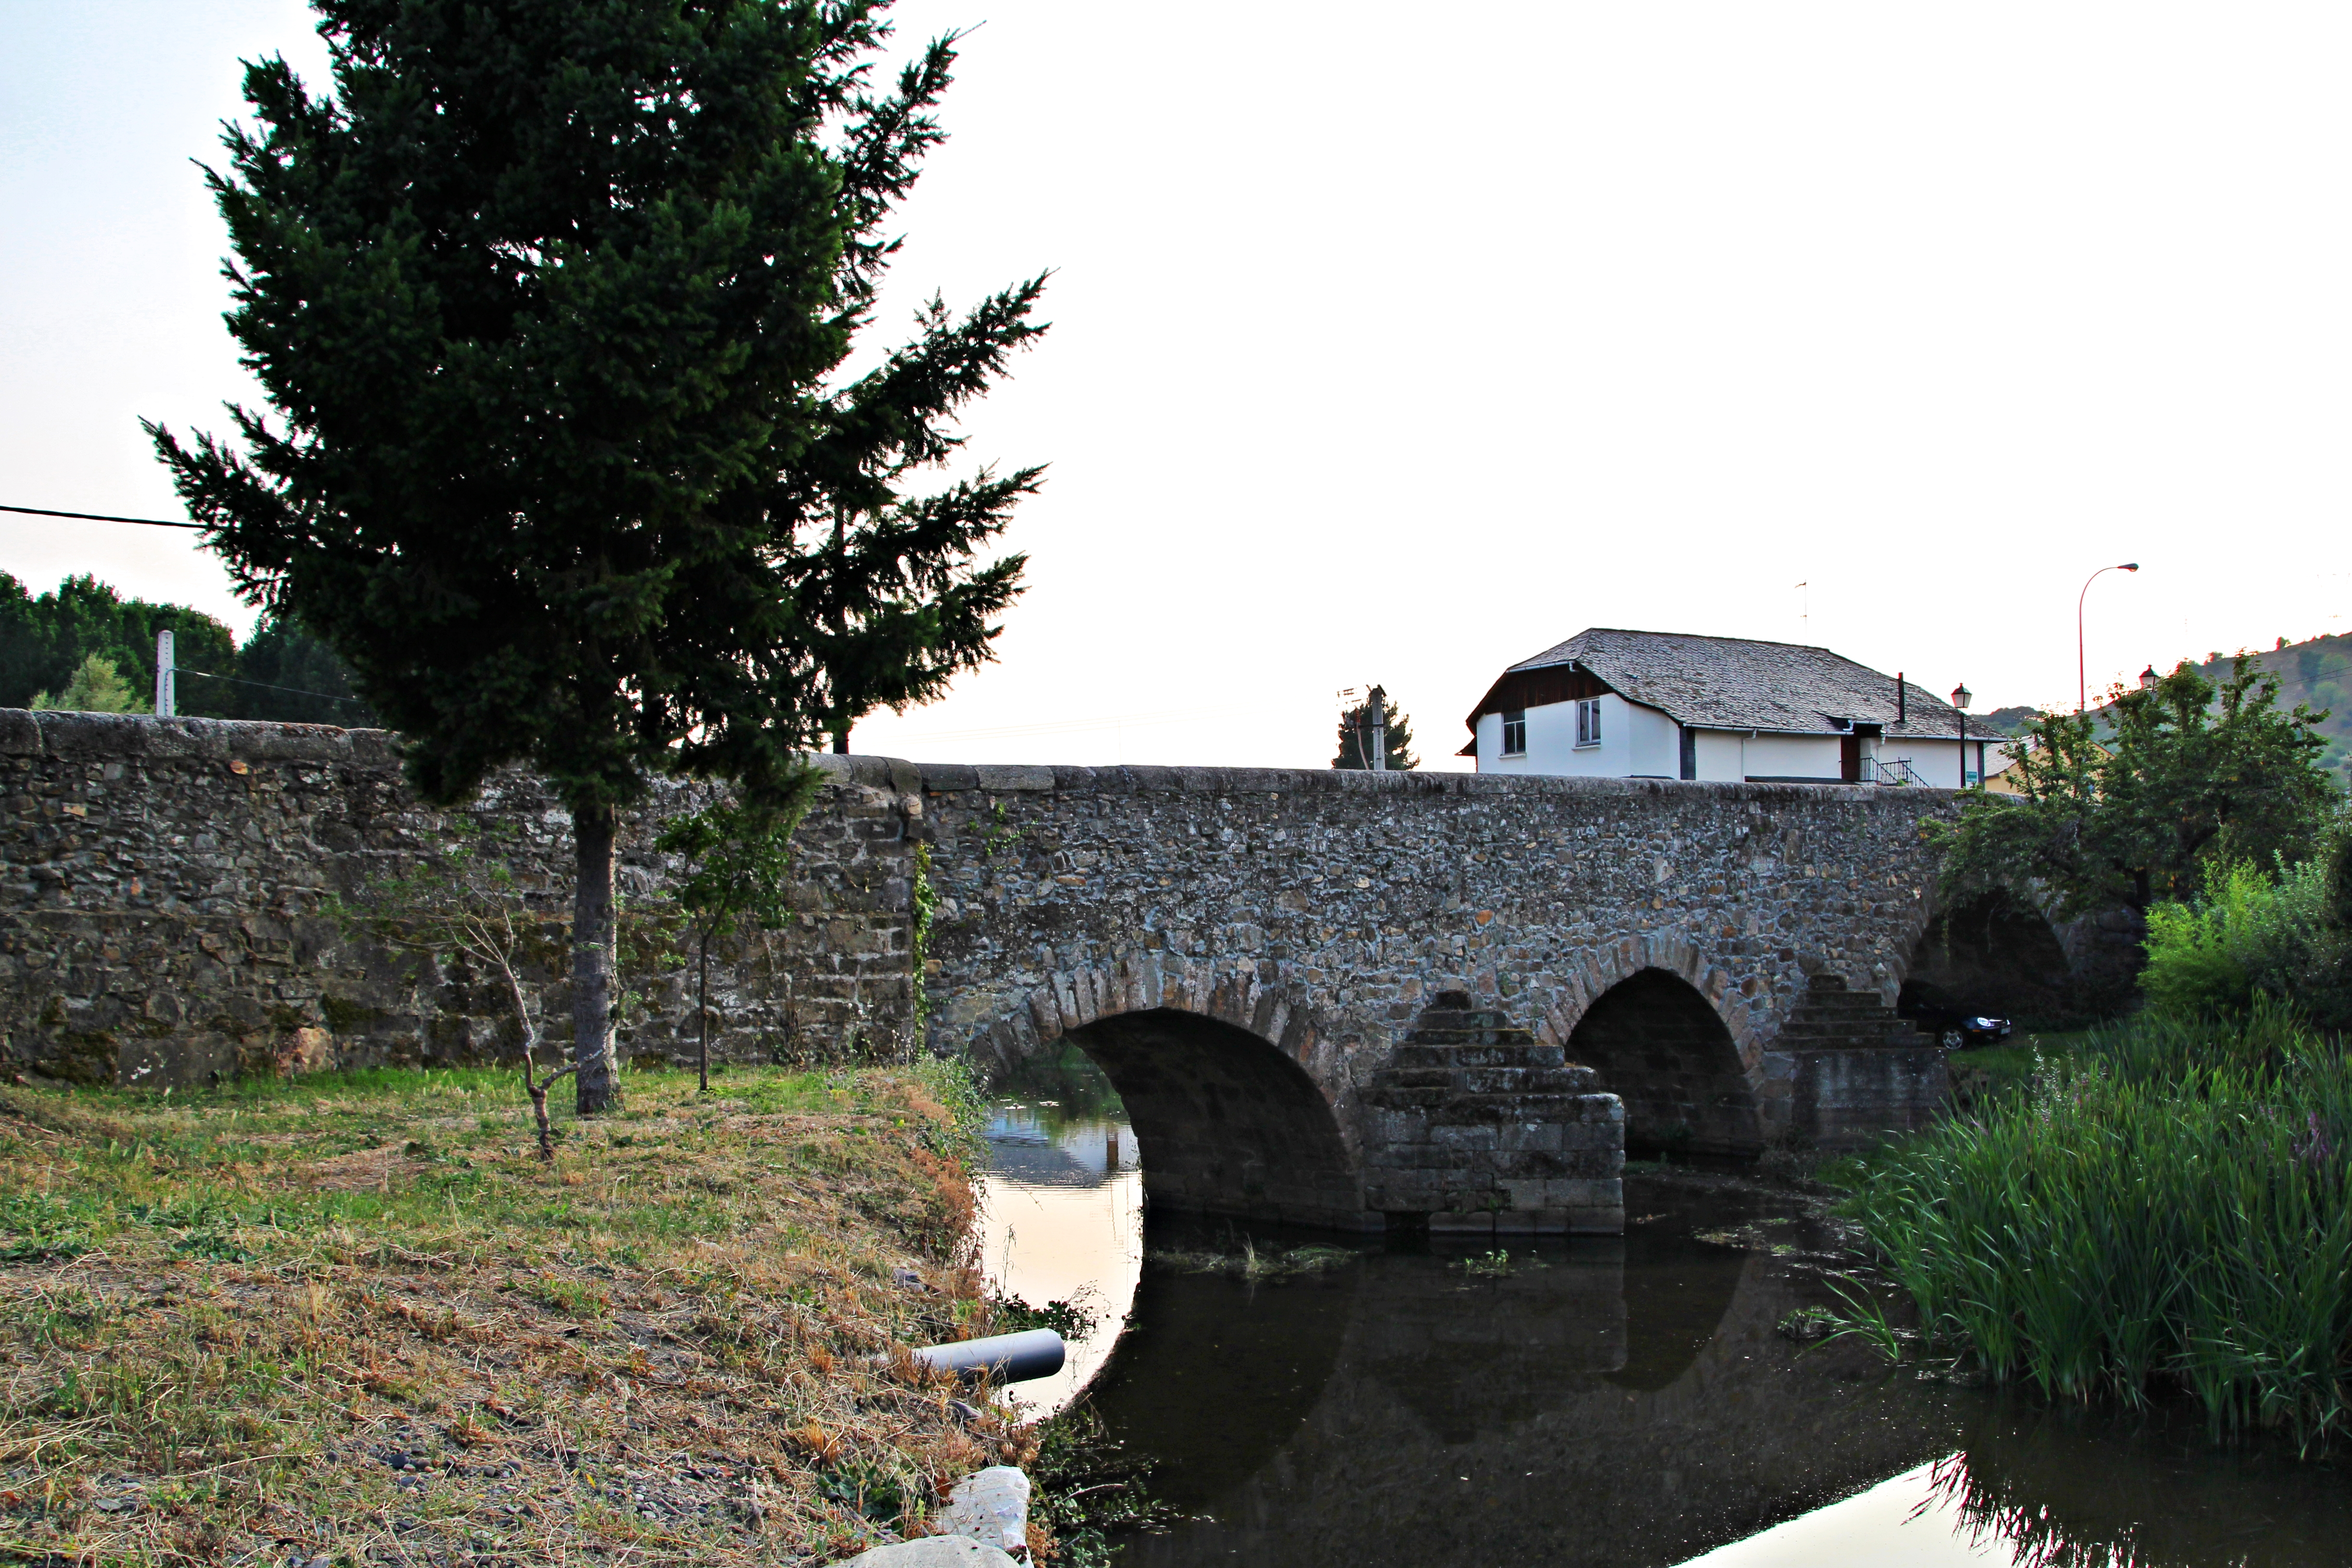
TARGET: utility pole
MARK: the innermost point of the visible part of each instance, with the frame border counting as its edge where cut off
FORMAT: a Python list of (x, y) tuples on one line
[(1376, 718), (167, 688)]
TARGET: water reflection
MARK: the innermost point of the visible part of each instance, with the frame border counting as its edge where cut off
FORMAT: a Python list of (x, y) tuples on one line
[(1621, 1402), (1624, 1402), (1905, 1522), (1062, 1212)]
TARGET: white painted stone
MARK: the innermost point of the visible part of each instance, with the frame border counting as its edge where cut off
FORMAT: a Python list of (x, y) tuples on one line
[(934, 1551), (991, 1506)]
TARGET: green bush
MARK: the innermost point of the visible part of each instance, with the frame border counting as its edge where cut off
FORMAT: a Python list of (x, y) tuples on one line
[(2171, 1208), (2251, 934)]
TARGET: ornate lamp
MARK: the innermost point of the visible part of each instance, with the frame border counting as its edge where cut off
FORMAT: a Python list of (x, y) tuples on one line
[(1961, 695)]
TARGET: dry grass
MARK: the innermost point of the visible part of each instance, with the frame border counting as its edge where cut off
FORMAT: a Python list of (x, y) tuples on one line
[(356, 1320)]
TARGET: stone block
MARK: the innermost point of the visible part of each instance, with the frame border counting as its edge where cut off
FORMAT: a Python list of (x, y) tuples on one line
[(1543, 1137), (935, 1552), (990, 1506), (1460, 1222), (1580, 1193), (1002, 779), (1525, 1195)]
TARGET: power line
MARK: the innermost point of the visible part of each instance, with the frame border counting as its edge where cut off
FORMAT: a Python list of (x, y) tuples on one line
[(265, 686), (100, 518), (1074, 726)]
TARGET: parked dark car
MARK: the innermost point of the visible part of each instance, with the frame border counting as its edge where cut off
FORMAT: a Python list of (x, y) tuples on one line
[(1958, 1032)]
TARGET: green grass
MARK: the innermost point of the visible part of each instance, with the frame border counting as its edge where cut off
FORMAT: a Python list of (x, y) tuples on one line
[(2013, 1060), (220, 1308), (2167, 1206)]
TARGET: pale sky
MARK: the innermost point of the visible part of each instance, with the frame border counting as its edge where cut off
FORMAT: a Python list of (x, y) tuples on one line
[(1391, 352)]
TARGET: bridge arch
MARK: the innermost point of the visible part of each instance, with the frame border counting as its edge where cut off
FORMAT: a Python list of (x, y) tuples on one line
[(1223, 1076), (1993, 953), (1662, 1048), (1224, 1121)]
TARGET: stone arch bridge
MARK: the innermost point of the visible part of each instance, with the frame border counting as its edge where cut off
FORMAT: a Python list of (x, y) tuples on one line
[(1335, 998), (1351, 999)]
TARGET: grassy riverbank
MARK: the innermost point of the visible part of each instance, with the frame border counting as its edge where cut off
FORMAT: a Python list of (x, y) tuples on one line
[(357, 1320), (2167, 1207)]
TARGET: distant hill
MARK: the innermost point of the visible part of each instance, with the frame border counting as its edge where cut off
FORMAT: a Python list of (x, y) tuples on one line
[(2318, 672)]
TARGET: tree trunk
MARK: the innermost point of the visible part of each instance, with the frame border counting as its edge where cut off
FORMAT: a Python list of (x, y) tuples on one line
[(702, 1009), (599, 1079)]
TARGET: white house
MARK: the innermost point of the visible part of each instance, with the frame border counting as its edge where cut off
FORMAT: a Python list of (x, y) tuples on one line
[(1659, 704)]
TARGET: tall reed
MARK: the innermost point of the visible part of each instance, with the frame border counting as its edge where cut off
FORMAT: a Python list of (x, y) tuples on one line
[(2172, 1208)]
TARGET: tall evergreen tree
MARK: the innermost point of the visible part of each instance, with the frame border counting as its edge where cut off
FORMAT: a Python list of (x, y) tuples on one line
[(553, 303), (1355, 738), (292, 677)]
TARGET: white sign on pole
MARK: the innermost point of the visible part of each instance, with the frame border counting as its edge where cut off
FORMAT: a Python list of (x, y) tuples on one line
[(167, 688)]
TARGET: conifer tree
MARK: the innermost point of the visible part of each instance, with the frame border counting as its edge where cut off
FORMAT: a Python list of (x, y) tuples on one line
[(1355, 738), (95, 689), (289, 676), (551, 303)]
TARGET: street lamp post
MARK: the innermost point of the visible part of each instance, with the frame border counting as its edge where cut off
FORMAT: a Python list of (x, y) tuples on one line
[(1961, 695), (2082, 688)]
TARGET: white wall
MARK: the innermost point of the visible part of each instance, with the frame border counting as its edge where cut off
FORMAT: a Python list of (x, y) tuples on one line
[(1937, 762), (1717, 755), (1657, 749), (1794, 756), (1551, 742), (1641, 742)]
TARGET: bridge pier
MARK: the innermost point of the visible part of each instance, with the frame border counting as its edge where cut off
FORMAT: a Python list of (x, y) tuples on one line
[(1476, 1128)]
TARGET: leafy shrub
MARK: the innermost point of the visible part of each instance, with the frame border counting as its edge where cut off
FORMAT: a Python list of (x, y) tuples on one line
[(1068, 1319), (1090, 1489), (2277, 935)]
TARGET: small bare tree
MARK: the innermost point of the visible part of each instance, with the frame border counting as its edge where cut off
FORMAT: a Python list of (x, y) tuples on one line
[(737, 860), (459, 901)]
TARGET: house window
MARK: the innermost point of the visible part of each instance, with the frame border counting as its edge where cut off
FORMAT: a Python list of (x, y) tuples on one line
[(1588, 721), (1514, 732)]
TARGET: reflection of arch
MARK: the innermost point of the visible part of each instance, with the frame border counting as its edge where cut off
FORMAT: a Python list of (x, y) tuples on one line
[(1214, 1375), (1993, 954), (1677, 1293), (1225, 1122), (1660, 1047)]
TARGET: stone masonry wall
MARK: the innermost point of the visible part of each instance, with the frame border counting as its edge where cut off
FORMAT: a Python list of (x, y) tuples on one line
[(166, 911), (165, 891)]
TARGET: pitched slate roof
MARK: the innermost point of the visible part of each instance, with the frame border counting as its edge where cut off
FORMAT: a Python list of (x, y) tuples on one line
[(1732, 683)]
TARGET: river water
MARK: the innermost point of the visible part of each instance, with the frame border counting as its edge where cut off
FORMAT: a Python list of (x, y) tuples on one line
[(1628, 1403)]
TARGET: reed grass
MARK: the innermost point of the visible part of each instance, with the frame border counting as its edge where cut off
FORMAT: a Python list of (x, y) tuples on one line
[(2168, 1209)]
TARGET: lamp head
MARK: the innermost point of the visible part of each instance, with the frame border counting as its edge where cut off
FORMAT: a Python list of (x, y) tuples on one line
[(1961, 695), (2129, 565)]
